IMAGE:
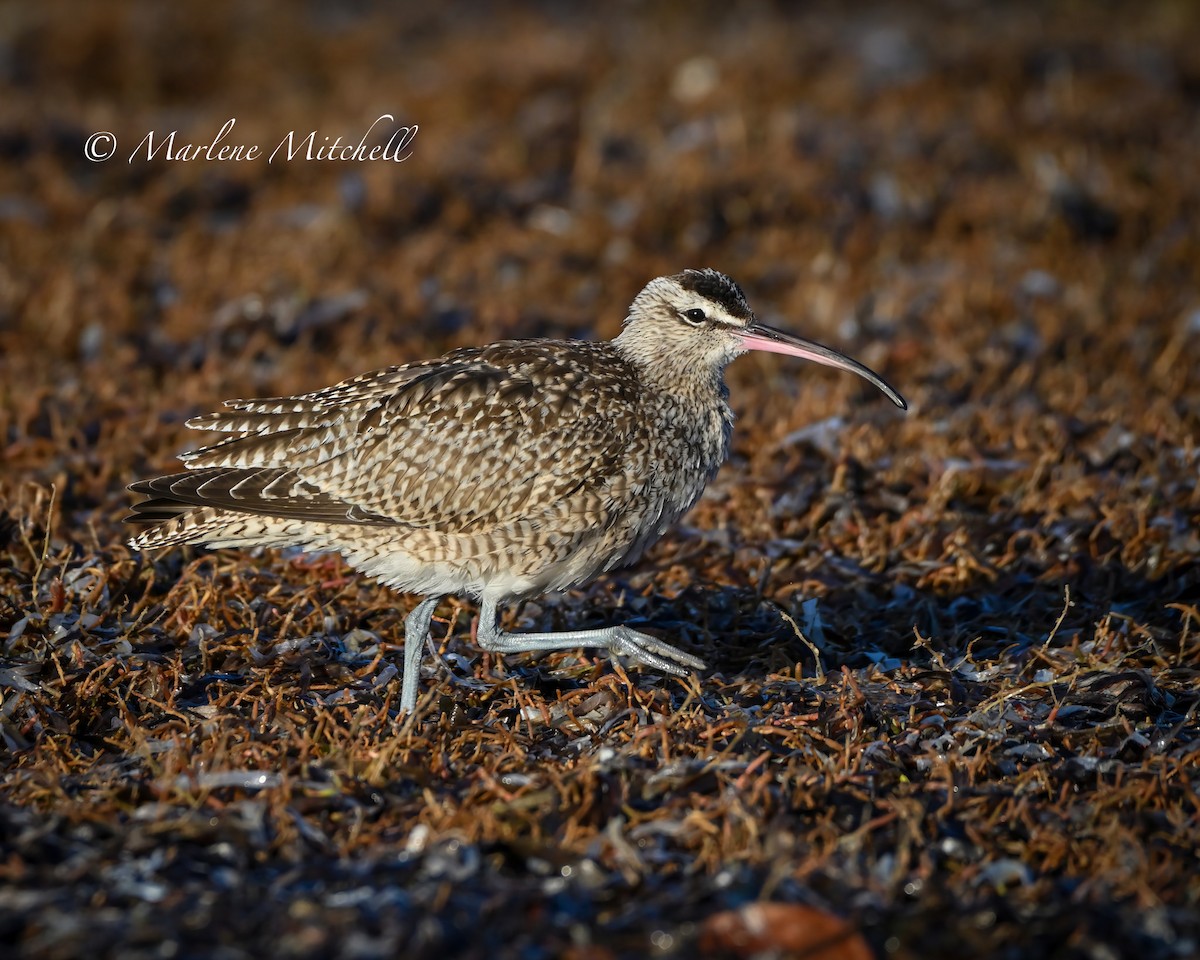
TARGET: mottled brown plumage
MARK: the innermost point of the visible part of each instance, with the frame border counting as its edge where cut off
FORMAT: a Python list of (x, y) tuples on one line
[(497, 472)]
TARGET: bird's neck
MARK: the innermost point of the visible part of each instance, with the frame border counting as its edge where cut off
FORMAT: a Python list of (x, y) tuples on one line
[(671, 372)]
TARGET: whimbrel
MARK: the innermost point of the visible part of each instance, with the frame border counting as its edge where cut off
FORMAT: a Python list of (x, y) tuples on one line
[(495, 472)]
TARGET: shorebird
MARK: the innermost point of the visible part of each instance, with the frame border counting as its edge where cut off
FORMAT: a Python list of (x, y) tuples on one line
[(495, 472)]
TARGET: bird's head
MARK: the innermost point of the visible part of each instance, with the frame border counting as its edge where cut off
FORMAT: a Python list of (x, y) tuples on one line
[(700, 320)]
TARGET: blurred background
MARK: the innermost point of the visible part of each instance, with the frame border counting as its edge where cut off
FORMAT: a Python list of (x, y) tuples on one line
[(994, 205)]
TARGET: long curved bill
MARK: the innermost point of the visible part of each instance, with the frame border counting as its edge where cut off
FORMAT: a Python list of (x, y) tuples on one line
[(758, 336)]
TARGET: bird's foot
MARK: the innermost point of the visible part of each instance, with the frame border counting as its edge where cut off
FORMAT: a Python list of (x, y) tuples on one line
[(618, 640), (651, 651), (416, 633)]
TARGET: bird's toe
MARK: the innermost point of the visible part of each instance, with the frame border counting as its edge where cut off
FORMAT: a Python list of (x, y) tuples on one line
[(654, 652)]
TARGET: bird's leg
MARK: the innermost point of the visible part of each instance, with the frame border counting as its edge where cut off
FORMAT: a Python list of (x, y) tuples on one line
[(416, 632), (619, 640)]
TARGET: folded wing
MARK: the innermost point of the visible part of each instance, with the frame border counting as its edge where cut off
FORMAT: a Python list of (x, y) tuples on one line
[(496, 435)]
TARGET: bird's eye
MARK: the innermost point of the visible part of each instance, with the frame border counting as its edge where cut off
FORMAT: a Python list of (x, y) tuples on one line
[(695, 315)]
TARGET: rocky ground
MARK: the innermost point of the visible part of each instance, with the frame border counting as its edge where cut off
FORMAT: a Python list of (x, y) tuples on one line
[(954, 654)]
